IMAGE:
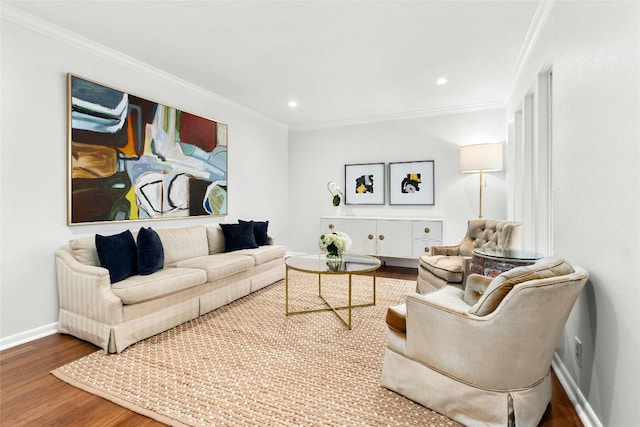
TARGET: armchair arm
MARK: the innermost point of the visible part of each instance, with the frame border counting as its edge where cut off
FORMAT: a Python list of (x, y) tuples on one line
[(86, 290), (445, 250), (447, 298), (459, 344)]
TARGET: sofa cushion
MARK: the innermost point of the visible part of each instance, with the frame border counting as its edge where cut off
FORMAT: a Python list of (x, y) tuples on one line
[(183, 243), (216, 239), (397, 317), (238, 236), (448, 268), (502, 285), (259, 231), (264, 254), (117, 253), (136, 289), (150, 251), (84, 250), (219, 266)]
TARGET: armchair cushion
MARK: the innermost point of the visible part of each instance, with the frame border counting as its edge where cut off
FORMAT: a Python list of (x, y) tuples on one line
[(502, 285), (476, 287), (448, 268)]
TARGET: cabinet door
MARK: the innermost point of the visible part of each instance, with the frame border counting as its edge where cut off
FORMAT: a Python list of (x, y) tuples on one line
[(425, 235), (423, 247), (394, 238), (363, 235), (329, 225), (428, 230)]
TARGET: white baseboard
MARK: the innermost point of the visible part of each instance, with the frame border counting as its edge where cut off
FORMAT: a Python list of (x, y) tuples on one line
[(400, 262), (26, 336), (582, 407)]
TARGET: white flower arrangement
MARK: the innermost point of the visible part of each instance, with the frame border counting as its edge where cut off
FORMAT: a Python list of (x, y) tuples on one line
[(335, 244)]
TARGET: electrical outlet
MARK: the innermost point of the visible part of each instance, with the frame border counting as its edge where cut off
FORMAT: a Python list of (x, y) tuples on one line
[(578, 351)]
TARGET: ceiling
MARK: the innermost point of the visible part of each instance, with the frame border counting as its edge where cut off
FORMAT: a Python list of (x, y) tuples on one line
[(342, 61)]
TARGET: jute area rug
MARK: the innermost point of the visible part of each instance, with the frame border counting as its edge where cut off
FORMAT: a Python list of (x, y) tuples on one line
[(249, 364)]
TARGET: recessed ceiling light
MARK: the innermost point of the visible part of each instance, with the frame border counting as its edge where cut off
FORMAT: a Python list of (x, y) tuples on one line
[(441, 81), (293, 104)]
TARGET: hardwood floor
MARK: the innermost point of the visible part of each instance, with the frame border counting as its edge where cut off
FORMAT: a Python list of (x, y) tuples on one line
[(31, 396)]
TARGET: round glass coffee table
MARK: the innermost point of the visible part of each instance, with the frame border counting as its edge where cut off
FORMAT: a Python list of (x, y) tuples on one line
[(320, 265), (491, 262)]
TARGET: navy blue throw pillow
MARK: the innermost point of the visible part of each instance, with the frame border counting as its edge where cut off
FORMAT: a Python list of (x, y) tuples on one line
[(259, 231), (117, 254), (238, 236), (150, 251)]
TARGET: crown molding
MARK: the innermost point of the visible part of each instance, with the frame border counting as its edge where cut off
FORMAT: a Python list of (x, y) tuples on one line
[(48, 29), (540, 16), (24, 19), (399, 116)]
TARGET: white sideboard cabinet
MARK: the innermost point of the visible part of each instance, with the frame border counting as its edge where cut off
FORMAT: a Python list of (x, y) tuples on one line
[(387, 237)]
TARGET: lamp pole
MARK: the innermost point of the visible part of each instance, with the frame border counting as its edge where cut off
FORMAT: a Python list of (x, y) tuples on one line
[(481, 158), (480, 209)]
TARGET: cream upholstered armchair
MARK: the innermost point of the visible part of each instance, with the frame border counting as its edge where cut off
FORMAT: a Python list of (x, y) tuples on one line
[(447, 265), (482, 356)]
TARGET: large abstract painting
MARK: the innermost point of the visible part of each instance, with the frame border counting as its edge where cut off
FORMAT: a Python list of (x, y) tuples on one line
[(135, 159)]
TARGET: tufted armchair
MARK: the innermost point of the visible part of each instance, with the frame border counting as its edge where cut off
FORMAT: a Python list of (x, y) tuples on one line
[(482, 356), (447, 265)]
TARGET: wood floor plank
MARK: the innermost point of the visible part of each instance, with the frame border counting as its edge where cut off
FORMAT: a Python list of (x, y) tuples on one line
[(31, 396)]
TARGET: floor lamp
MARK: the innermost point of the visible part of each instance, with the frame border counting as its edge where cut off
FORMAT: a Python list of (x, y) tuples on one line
[(481, 158)]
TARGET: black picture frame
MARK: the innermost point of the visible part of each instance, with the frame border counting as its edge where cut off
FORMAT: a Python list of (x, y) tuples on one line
[(364, 184), (412, 183)]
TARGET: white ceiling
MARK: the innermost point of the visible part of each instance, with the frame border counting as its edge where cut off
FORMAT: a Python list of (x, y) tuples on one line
[(342, 61)]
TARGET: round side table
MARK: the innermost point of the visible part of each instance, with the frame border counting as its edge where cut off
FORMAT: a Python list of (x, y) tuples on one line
[(491, 262)]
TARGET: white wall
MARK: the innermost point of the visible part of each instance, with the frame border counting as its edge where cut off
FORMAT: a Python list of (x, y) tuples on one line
[(594, 51), (594, 48), (34, 159), (318, 156)]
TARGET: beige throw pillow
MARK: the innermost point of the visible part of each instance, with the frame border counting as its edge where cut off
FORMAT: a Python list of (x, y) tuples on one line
[(502, 285)]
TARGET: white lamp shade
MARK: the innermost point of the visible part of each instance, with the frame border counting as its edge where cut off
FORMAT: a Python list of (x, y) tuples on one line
[(481, 157)]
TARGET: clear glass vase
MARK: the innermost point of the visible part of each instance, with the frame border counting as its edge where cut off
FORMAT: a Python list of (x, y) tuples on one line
[(334, 261)]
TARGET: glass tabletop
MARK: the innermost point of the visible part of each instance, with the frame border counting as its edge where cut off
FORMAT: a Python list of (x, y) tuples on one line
[(318, 263), (513, 254)]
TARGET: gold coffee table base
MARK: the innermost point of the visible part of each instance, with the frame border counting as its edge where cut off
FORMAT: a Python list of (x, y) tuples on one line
[(316, 264)]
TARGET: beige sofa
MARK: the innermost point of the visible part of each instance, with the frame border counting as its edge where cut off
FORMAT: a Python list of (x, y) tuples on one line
[(198, 277)]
